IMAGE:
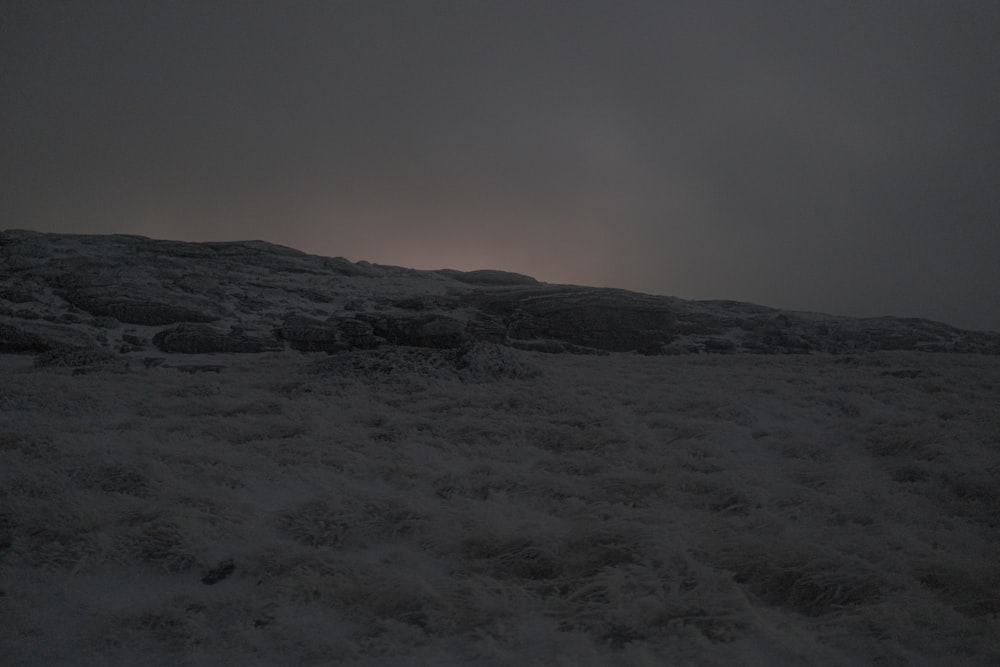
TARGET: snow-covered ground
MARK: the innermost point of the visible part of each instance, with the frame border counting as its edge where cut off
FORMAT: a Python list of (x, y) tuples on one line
[(410, 506)]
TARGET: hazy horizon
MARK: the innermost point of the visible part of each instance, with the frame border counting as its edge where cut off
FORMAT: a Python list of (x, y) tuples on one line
[(807, 156)]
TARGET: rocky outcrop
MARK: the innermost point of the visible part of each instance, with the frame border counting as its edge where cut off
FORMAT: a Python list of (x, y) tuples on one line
[(129, 311), (336, 335), (491, 277), (33, 337), (15, 295), (357, 333), (118, 292), (204, 339), (310, 335), (610, 320), (433, 330), (16, 340)]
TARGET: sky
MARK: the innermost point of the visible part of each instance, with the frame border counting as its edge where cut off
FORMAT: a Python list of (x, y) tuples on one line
[(841, 157)]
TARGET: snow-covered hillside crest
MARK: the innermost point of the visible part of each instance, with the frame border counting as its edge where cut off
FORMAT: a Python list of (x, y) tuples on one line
[(240, 454), (129, 294)]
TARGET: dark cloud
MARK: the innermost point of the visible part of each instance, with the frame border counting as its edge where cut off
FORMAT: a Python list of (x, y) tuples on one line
[(826, 156)]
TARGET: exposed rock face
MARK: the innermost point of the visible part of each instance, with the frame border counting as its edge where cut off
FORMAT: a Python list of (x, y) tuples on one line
[(118, 292), (13, 339), (204, 339), (135, 312), (491, 277), (312, 338), (337, 335), (357, 333), (611, 320), (306, 334), (15, 295), (40, 336), (432, 330)]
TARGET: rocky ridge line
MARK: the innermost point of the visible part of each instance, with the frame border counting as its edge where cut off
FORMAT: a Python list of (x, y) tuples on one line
[(130, 294)]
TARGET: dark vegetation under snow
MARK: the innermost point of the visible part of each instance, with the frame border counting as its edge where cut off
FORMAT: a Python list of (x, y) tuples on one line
[(182, 482)]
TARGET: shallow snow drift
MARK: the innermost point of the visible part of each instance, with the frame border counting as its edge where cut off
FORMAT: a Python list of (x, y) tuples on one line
[(501, 507)]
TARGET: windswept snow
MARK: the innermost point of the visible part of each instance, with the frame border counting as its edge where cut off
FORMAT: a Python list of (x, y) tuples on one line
[(496, 507)]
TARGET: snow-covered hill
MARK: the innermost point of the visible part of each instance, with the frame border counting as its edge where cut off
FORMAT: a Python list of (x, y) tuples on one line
[(131, 294), (239, 454)]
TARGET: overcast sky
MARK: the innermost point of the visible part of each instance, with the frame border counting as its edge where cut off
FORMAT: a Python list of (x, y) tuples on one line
[(836, 156)]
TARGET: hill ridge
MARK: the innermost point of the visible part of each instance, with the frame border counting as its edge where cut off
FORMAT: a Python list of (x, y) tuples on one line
[(130, 294)]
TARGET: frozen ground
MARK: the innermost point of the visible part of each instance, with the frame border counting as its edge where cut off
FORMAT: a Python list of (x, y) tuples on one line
[(419, 507)]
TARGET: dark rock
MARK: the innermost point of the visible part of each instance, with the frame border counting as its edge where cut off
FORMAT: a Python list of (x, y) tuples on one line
[(346, 268), (13, 339), (654, 342), (314, 295), (492, 277), (135, 341), (425, 303), (355, 305), (204, 339), (132, 280), (337, 335), (907, 373), (720, 345), (356, 333), (38, 336), (191, 369), (306, 334), (6, 533), (176, 249), (437, 331), (134, 311), (309, 334), (219, 572), (104, 323), (611, 320), (16, 296), (553, 347), (487, 328), (253, 249)]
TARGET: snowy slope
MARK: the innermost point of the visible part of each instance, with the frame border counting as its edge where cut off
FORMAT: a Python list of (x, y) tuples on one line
[(187, 477), (407, 506)]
